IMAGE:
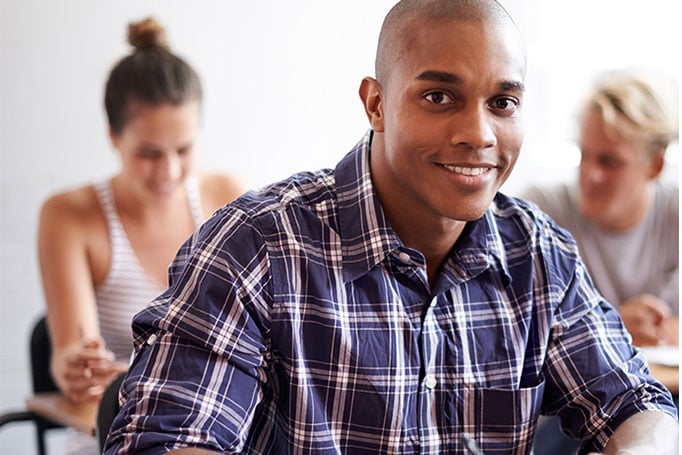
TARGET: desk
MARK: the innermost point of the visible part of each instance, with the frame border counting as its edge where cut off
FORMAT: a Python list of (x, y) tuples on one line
[(668, 376), (53, 406)]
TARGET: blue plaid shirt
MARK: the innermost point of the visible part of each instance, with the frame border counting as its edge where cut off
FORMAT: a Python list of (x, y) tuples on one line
[(297, 322)]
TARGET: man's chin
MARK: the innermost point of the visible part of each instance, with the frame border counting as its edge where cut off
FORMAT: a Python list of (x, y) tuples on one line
[(472, 213), (592, 213)]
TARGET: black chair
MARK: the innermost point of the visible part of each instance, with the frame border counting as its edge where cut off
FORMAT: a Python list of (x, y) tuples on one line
[(108, 408), (40, 353)]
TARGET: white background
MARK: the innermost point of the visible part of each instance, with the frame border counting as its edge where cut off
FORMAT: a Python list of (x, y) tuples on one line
[(280, 82)]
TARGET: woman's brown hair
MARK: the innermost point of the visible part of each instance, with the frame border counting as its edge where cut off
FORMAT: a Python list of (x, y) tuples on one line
[(150, 75)]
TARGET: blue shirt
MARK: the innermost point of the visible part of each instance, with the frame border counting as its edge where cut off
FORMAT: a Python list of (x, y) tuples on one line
[(297, 322)]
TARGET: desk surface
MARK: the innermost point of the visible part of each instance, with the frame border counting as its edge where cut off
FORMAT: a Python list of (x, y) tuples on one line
[(53, 406)]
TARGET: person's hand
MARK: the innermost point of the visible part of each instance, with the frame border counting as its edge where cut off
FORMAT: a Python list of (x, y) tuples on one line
[(83, 372), (670, 331), (644, 316)]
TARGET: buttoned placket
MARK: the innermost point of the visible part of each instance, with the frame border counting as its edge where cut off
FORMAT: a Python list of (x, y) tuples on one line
[(417, 271), (429, 384)]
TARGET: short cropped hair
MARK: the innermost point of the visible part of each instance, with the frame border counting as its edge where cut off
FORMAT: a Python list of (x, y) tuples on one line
[(394, 35)]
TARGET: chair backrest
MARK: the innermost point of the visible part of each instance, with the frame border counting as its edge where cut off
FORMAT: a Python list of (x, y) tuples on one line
[(41, 352), (108, 408)]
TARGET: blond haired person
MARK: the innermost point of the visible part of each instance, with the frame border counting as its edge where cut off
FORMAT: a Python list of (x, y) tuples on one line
[(105, 247), (624, 219)]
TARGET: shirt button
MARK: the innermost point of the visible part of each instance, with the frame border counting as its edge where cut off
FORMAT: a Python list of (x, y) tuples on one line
[(151, 339), (404, 257), (430, 382)]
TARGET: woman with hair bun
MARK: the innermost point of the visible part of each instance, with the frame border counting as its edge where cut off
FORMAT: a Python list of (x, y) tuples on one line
[(105, 248)]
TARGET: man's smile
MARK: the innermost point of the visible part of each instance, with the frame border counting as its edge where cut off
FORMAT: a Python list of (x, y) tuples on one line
[(466, 170)]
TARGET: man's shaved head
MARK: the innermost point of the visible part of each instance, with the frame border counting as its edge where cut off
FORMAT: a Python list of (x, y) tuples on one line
[(399, 25), (445, 110)]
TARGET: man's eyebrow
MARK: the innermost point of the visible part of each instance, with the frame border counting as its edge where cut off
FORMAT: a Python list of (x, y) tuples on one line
[(439, 76), (512, 85), (450, 78)]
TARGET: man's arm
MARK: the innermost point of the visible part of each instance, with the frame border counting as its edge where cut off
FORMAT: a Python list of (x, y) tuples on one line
[(199, 369), (645, 433)]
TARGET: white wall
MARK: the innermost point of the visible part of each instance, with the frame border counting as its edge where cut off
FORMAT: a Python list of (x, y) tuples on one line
[(281, 82)]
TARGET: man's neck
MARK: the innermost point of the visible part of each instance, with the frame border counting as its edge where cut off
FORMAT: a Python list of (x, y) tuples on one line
[(434, 241)]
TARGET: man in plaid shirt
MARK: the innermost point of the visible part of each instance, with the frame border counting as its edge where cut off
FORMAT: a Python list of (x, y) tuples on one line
[(398, 301)]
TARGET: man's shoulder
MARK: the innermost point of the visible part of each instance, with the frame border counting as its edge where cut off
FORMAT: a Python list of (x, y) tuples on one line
[(310, 193), (303, 188), (528, 221), (669, 194), (517, 208), (558, 200)]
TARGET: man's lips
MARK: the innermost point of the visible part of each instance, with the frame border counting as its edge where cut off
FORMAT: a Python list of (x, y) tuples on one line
[(466, 170)]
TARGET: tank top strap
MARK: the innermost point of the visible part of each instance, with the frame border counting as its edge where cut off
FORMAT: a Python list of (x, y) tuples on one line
[(105, 195), (194, 199), (127, 288)]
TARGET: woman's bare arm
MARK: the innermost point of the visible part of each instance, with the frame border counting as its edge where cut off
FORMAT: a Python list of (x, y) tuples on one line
[(80, 365)]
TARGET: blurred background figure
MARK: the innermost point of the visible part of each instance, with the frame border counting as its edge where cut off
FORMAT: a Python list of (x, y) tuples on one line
[(624, 219), (104, 248)]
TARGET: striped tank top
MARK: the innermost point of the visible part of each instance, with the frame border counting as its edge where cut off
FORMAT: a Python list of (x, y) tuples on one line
[(128, 288)]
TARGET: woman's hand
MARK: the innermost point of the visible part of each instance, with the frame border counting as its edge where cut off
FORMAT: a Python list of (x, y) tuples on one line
[(82, 372)]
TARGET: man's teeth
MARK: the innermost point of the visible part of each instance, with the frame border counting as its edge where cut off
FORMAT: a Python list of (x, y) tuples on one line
[(466, 170)]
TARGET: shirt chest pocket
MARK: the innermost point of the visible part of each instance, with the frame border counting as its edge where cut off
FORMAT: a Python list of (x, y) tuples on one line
[(502, 420)]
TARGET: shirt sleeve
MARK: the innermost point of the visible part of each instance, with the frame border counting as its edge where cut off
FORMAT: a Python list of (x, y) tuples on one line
[(200, 365), (595, 378)]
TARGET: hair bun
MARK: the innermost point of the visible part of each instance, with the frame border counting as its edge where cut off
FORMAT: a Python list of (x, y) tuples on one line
[(147, 34)]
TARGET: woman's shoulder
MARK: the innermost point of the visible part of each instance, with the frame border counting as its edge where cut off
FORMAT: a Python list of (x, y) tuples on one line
[(218, 189), (78, 205)]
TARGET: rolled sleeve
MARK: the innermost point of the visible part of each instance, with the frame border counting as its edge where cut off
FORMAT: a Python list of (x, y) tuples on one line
[(212, 411), (200, 365), (596, 378)]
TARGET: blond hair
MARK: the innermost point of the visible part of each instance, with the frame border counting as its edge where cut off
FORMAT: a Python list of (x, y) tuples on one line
[(632, 109)]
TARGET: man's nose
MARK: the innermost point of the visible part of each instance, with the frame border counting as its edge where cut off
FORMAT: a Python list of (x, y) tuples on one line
[(473, 129)]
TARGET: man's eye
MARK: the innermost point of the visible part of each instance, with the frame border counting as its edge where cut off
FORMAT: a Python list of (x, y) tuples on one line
[(507, 105), (438, 98), (184, 150), (609, 162)]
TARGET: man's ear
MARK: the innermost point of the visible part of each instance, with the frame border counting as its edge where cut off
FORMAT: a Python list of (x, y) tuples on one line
[(657, 163), (371, 96)]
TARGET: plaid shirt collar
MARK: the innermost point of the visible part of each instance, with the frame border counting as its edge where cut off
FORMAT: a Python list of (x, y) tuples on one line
[(368, 239)]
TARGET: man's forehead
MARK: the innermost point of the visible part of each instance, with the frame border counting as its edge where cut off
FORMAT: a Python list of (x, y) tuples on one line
[(449, 41), (419, 30)]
